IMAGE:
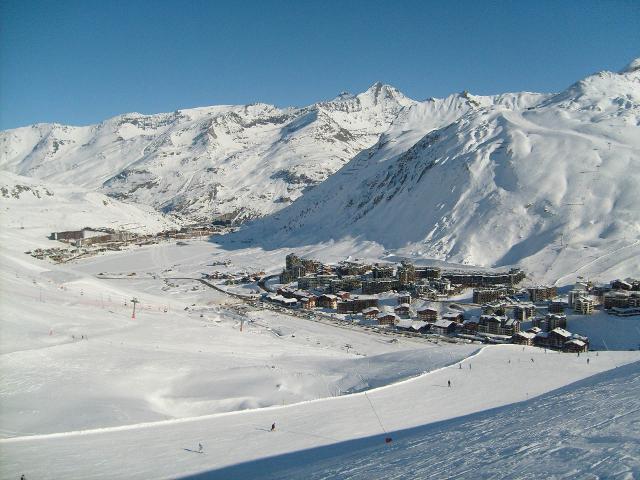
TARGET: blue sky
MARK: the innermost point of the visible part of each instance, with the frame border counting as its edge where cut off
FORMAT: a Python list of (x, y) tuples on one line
[(80, 62)]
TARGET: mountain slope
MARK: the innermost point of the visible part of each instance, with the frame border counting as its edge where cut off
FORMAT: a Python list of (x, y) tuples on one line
[(557, 180), (246, 160), (32, 209)]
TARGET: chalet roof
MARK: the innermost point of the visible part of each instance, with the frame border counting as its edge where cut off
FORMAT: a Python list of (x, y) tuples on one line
[(577, 342), (329, 296), (370, 310), (364, 297), (452, 314), (562, 332), (443, 323), (494, 318), (527, 335), (427, 310), (412, 324), (534, 330), (403, 306), (280, 298)]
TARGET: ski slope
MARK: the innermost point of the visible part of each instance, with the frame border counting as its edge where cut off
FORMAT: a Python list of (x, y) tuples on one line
[(587, 430), (165, 449)]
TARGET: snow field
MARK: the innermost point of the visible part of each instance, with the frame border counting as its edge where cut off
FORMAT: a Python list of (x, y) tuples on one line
[(162, 449)]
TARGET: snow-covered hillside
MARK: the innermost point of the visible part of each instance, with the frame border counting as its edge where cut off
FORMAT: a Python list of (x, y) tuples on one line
[(586, 430), (551, 183), (353, 428), (32, 209), (246, 160), (242, 161)]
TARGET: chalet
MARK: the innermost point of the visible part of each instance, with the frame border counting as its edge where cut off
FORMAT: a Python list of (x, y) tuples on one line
[(557, 337), (523, 338), (498, 325), (328, 301), (370, 312), (412, 326), (308, 303), (403, 311), (357, 304), (575, 346), (470, 325), (443, 327), (404, 297), (388, 319), (280, 300), (428, 314), (457, 317)]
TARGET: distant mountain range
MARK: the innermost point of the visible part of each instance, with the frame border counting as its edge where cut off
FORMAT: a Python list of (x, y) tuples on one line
[(540, 179), (551, 182), (245, 161)]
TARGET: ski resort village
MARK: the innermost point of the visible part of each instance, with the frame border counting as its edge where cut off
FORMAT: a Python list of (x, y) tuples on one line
[(362, 286)]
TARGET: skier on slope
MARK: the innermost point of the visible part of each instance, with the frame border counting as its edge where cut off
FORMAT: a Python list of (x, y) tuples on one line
[(200, 448), (449, 383), (273, 426)]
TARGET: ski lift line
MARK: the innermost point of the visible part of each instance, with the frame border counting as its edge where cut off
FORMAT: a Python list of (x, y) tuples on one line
[(376, 413)]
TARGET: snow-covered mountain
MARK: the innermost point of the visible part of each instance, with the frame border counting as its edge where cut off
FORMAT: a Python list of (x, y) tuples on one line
[(37, 208), (549, 181), (546, 181), (243, 160)]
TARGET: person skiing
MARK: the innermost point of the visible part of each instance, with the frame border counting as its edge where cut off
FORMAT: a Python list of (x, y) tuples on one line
[(449, 383), (460, 366), (587, 361), (200, 447), (273, 426)]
